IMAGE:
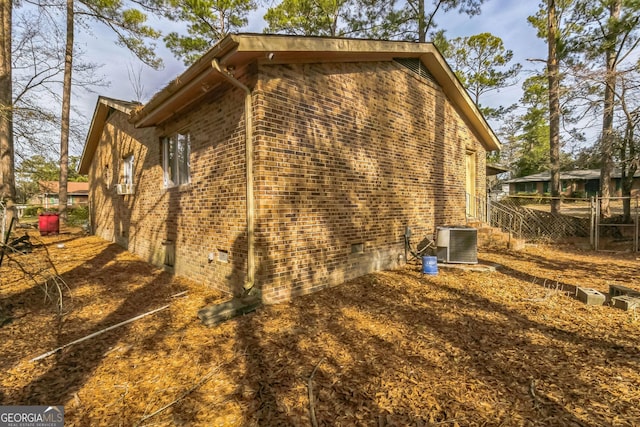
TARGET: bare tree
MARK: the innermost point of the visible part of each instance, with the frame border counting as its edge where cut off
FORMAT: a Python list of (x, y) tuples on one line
[(610, 35), (627, 95), (38, 69), (127, 21), (135, 80)]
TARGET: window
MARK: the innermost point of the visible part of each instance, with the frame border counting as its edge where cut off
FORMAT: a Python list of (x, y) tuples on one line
[(526, 187), (175, 159), (127, 170)]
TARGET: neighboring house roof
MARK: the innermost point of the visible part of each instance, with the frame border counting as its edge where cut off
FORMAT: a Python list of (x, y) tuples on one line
[(104, 106), (73, 188), (495, 169), (237, 51), (576, 175)]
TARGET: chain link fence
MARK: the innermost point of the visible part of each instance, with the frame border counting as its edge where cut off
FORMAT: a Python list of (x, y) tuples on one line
[(530, 217)]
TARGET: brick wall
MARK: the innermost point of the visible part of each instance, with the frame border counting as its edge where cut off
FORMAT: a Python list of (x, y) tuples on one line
[(206, 216), (346, 156)]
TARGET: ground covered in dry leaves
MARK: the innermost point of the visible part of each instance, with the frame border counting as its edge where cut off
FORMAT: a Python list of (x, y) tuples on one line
[(394, 348)]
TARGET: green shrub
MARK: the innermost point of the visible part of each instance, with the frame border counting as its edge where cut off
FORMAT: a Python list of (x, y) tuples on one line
[(32, 211), (78, 215)]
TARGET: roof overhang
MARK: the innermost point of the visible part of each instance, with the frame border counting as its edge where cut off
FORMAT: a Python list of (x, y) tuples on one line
[(238, 51), (104, 106), (494, 169)]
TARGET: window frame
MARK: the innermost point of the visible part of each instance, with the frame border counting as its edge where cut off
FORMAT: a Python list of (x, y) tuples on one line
[(176, 165)]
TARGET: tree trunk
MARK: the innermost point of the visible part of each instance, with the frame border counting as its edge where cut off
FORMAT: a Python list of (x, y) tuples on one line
[(66, 109), (606, 145), (629, 168), (554, 105), (7, 153), (422, 30)]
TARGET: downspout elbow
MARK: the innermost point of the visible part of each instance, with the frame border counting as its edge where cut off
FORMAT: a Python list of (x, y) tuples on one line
[(250, 203)]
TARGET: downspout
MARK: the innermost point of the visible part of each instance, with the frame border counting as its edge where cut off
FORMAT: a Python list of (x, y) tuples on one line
[(248, 112)]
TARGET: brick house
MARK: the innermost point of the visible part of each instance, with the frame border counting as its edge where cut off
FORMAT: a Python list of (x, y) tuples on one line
[(47, 197), (574, 183), (288, 164)]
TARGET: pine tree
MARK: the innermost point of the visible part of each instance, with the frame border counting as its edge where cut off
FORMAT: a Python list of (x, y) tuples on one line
[(207, 22), (7, 153)]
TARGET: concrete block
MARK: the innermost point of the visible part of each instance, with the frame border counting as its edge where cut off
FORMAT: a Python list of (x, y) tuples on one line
[(218, 313), (590, 296), (626, 302), (618, 290)]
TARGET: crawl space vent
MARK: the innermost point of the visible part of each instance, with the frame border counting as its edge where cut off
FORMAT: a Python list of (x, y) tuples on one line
[(415, 65)]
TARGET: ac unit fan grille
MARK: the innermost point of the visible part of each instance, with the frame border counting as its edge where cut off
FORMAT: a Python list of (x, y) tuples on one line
[(463, 246)]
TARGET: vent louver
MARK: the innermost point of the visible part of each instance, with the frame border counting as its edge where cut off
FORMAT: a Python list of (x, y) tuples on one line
[(415, 65)]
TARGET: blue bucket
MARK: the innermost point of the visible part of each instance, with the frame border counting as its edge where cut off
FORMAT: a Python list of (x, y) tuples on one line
[(430, 265)]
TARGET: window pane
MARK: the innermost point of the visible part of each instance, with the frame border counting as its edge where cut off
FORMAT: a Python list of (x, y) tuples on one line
[(128, 170), (183, 158), (163, 160), (175, 164), (172, 172)]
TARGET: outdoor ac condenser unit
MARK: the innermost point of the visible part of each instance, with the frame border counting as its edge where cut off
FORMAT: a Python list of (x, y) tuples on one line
[(457, 245), (124, 188)]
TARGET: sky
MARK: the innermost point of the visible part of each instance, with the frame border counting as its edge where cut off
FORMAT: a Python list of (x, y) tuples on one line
[(506, 19)]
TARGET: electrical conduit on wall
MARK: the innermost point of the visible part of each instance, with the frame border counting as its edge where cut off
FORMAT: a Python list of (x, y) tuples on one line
[(248, 111)]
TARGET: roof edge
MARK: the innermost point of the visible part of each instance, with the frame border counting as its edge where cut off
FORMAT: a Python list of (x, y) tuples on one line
[(197, 69), (239, 49), (100, 114)]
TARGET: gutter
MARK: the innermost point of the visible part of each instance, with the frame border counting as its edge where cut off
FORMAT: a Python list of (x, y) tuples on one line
[(248, 112)]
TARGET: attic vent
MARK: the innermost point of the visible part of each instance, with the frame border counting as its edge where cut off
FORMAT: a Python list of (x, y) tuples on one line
[(415, 65)]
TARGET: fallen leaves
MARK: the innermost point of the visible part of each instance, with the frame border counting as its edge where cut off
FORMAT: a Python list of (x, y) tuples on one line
[(397, 347)]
